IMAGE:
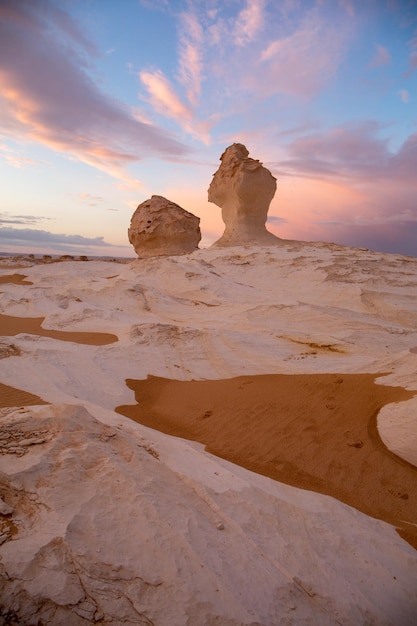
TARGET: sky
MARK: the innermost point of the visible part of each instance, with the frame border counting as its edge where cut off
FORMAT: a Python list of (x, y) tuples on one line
[(104, 103)]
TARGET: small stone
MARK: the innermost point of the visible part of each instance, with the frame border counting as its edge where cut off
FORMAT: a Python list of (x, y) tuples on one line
[(32, 441), (86, 609), (220, 526), (356, 444), (5, 509)]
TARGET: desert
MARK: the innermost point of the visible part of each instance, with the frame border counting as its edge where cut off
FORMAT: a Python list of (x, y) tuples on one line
[(208, 313), (226, 436)]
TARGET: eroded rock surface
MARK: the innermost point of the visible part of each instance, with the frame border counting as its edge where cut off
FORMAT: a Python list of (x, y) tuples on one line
[(160, 227), (243, 188), (99, 523)]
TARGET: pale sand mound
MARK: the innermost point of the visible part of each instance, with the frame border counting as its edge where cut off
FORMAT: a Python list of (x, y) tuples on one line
[(17, 279), (315, 431), (11, 326), (9, 396)]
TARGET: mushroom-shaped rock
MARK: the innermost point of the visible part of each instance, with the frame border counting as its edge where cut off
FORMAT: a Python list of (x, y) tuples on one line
[(160, 227), (243, 188)]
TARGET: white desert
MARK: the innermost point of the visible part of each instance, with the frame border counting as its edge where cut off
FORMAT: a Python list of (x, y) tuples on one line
[(220, 437)]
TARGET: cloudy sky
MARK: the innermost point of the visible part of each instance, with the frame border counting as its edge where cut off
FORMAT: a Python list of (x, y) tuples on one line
[(106, 102)]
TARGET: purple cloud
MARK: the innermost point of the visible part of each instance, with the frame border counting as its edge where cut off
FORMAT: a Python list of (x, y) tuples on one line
[(275, 219), (369, 190), (42, 237), (396, 238), (381, 57), (7, 218), (49, 94), (353, 151)]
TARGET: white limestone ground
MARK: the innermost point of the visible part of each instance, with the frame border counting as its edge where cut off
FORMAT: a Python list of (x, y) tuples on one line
[(116, 522)]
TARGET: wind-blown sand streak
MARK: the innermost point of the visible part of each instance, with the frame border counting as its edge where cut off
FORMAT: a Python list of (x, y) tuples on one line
[(16, 279), (314, 431), (11, 326), (10, 397)]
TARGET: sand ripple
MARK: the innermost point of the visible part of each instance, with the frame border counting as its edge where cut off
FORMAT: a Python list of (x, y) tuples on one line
[(314, 431)]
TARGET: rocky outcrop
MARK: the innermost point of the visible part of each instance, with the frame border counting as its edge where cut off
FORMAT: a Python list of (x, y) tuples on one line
[(94, 528), (112, 523), (243, 189), (160, 227)]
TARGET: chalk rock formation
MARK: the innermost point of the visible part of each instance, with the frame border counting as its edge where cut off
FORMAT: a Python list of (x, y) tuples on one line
[(243, 189), (100, 524), (160, 227)]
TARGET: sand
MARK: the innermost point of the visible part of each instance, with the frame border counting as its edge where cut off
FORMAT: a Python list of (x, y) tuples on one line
[(12, 397), (313, 431), (16, 279), (11, 326), (115, 518)]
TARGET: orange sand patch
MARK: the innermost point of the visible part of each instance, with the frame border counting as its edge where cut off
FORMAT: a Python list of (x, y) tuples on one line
[(11, 326), (314, 431), (16, 279), (9, 397)]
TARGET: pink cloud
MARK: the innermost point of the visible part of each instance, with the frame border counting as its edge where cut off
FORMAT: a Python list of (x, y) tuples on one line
[(302, 62), (89, 199), (381, 57), (412, 61), (163, 98), (404, 95), (352, 151), (404, 162), (180, 98), (348, 6), (49, 96), (345, 185), (13, 159), (242, 60), (378, 217), (191, 56), (18, 161), (249, 22)]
